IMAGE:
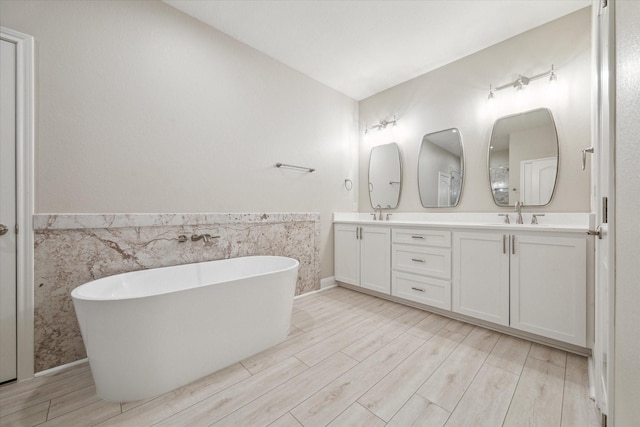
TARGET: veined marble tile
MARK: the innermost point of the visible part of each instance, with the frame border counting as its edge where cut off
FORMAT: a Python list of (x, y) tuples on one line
[(74, 249)]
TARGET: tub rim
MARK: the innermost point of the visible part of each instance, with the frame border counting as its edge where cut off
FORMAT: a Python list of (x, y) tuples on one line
[(76, 292)]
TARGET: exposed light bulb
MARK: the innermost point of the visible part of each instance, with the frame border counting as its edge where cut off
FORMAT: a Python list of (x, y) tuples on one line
[(491, 96), (553, 78)]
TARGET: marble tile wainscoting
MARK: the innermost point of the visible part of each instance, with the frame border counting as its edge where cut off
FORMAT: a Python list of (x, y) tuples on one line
[(73, 249)]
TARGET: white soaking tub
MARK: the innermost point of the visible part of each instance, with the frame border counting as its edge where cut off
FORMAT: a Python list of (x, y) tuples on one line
[(151, 331)]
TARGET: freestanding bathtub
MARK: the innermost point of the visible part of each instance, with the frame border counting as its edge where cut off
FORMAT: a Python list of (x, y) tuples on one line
[(151, 331)]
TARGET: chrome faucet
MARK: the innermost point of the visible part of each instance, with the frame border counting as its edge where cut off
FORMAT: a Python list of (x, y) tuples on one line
[(204, 237), (379, 209), (519, 205), (534, 218)]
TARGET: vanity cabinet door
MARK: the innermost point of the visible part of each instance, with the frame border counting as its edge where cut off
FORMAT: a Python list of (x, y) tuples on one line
[(480, 285), (362, 256), (347, 253), (548, 286), (375, 259)]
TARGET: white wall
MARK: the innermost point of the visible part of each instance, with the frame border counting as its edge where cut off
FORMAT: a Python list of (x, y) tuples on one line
[(141, 108), (627, 214), (456, 96)]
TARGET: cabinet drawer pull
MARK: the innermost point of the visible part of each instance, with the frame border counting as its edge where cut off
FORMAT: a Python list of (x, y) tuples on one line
[(417, 289), (417, 260), (417, 237), (513, 244), (504, 243)]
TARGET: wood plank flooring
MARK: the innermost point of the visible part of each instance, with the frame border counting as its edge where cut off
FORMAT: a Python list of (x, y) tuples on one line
[(350, 360)]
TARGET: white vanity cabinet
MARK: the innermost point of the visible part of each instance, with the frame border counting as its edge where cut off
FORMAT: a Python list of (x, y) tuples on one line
[(528, 280), (421, 266), (363, 256), (534, 283)]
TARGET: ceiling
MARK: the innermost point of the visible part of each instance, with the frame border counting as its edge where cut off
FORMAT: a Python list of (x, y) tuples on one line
[(361, 47)]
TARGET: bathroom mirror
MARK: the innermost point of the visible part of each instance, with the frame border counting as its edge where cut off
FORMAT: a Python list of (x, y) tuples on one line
[(385, 176), (441, 169), (523, 158)]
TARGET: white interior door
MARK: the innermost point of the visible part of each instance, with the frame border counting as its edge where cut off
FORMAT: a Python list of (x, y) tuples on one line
[(444, 189), (8, 331), (603, 180), (537, 179)]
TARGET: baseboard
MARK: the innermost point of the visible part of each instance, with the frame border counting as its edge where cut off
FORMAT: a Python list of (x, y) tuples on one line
[(592, 377), (328, 282), (325, 284), (60, 368)]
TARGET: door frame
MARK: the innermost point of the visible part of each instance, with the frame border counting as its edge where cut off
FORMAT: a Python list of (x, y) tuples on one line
[(603, 135), (25, 135)]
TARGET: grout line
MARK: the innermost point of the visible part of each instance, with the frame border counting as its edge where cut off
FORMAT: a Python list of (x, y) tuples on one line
[(564, 389), (79, 407), (295, 356), (48, 411), (515, 390), (484, 361), (367, 409), (294, 417)]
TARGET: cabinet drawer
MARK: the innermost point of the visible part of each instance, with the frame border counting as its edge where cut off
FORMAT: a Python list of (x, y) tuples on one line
[(422, 237), (425, 290), (428, 261)]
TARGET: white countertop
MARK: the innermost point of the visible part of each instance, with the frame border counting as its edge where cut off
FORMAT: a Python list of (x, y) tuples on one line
[(558, 222)]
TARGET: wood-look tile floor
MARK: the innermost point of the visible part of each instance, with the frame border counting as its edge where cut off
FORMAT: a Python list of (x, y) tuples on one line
[(350, 360)]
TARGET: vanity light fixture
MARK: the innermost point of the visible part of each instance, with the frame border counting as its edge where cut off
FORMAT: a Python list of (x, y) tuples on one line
[(523, 81), (382, 124), (553, 77), (491, 96)]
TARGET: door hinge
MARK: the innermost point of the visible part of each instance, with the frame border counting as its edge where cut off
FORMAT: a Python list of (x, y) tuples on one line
[(605, 210), (17, 229)]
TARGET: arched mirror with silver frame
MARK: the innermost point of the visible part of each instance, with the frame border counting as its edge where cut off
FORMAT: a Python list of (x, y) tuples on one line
[(523, 158), (385, 176), (441, 169)]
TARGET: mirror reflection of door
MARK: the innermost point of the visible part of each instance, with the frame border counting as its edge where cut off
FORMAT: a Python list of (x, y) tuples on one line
[(444, 189), (441, 169), (537, 178), (523, 158)]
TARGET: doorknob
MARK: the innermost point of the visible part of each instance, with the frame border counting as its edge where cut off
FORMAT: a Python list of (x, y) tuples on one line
[(584, 156), (596, 232), (3, 229)]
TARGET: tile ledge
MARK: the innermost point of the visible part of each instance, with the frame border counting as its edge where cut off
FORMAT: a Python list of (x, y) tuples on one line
[(43, 222)]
